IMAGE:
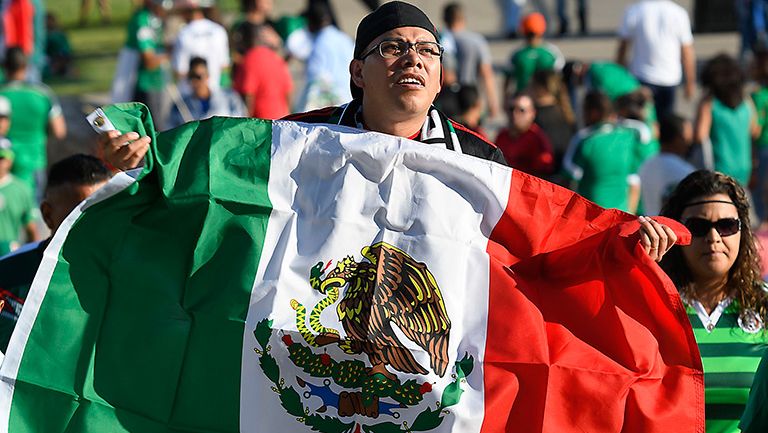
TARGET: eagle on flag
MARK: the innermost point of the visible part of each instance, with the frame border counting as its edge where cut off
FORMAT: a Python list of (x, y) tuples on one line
[(390, 288)]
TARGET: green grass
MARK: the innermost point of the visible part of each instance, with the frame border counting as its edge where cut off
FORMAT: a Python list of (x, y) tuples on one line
[(96, 45)]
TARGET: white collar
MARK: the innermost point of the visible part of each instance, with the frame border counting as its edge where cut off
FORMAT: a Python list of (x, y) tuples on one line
[(710, 320)]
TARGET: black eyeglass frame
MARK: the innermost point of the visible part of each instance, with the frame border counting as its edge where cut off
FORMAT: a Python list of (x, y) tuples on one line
[(723, 226), (410, 45)]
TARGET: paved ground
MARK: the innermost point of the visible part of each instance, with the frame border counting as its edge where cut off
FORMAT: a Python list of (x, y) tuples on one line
[(484, 16)]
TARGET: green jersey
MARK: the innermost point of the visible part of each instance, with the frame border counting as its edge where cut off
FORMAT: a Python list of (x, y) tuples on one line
[(603, 160), (730, 348), (145, 34), (33, 106), (529, 59), (17, 209), (755, 418), (612, 79), (760, 98), (17, 271), (731, 139)]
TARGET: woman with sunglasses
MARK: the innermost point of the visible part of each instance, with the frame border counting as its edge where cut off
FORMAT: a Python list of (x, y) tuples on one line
[(718, 277)]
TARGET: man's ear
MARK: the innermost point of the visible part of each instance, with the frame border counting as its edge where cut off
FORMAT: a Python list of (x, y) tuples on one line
[(356, 72), (47, 212)]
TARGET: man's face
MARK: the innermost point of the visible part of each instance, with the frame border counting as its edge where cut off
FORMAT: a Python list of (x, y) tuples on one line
[(264, 6), (60, 200), (198, 80), (403, 86), (5, 125)]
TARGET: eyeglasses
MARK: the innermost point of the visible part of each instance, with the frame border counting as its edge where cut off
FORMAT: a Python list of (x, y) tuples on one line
[(196, 76), (699, 227), (393, 49)]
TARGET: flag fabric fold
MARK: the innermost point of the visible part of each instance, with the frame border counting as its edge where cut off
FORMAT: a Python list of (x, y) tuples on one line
[(279, 276)]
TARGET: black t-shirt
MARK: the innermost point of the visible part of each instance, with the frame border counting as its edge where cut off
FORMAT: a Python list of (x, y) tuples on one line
[(551, 119)]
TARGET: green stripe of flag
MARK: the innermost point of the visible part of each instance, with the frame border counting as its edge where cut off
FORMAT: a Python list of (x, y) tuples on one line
[(185, 303)]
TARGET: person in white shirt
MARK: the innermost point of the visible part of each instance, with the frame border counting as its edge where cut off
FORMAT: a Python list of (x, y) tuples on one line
[(327, 66), (201, 37), (659, 32), (660, 174)]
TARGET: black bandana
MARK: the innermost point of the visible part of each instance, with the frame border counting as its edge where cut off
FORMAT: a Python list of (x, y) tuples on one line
[(386, 17)]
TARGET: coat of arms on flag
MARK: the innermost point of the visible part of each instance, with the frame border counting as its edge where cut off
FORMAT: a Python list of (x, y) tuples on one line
[(387, 289)]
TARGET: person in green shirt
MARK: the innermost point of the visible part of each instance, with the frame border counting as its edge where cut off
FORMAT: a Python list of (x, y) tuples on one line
[(535, 55), (726, 121), (610, 78), (145, 36), (57, 49), (35, 115), (603, 158), (17, 208)]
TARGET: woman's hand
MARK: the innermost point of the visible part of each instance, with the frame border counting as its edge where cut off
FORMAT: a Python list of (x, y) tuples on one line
[(656, 239), (123, 151)]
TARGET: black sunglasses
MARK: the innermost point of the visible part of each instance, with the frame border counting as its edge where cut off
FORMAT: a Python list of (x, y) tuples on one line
[(699, 227)]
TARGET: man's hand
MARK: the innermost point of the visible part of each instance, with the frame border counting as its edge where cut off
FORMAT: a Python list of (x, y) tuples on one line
[(655, 238), (123, 151)]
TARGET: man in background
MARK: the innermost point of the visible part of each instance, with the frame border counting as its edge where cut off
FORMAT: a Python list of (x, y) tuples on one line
[(35, 115), (141, 75), (660, 174), (201, 101), (535, 55), (659, 32), (70, 181), (603, 158), (327, 67), (18, 213), (204, 38), (472, 55)]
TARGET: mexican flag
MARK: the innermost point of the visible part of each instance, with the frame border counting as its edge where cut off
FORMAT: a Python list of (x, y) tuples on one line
[(263, 276)]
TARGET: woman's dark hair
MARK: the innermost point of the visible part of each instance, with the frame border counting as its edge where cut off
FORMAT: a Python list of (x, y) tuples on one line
[(744, 279), (724, 78), (552, 82), (671, 127), (631, 105), (467, 97)]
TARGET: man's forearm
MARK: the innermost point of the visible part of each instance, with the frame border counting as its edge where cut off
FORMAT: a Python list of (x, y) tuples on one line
[(689, 65)]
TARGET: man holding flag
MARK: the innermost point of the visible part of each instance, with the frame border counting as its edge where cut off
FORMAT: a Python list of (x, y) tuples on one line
[(287, 276), (395, 76)]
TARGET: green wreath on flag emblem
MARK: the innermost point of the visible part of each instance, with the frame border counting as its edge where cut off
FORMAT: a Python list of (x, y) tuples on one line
[(389, 287)]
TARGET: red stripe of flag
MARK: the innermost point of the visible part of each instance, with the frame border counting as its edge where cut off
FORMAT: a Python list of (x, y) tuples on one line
[(585, 332)]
